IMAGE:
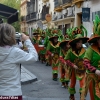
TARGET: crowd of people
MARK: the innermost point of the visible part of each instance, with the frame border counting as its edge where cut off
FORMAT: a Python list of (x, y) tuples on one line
[(64, 52), (67, 56)]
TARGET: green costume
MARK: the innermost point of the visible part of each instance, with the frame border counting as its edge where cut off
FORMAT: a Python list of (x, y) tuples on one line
[(37, 40), (75, 57), (37, 36), (64, 71), (92, 63), (53, 50)]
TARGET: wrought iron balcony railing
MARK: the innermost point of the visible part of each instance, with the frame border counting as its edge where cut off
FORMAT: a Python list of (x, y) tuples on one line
[(31, 16), (66, 1)]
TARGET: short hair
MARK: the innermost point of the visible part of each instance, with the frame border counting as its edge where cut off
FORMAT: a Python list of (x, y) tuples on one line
[(7, 35)]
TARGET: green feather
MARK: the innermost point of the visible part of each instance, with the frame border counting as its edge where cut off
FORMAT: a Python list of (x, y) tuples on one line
[(84, 31)]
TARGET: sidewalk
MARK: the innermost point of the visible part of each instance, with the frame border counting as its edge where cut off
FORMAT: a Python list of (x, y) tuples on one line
[(26, 76)]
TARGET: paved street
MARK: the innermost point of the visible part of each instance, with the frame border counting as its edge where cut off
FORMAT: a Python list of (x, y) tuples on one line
[(45, 88)]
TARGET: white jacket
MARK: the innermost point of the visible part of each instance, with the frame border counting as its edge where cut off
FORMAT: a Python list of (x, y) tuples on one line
[(10, 84)]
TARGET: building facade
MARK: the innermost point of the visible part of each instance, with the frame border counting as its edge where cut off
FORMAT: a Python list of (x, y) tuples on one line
[(94, 6), (64, 14), (23, 9), (34, 9)]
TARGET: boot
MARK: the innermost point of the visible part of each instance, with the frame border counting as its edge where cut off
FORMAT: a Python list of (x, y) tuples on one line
[(63, 84), (55, 77), (66, 84), (72, 97), (47, 64)]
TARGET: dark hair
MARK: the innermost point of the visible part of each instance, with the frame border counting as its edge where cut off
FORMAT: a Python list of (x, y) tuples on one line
[(62, 45), (52, 40), (73, 46), (7, 35)]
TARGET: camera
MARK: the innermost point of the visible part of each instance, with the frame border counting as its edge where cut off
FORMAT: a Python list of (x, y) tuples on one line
[(18, 35)]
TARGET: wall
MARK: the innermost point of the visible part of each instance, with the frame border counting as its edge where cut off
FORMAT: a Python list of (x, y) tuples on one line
[(94, 6), (51, 11), (23, 12)]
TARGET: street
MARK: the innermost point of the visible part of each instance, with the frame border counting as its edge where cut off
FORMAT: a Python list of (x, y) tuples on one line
[(45, 88)]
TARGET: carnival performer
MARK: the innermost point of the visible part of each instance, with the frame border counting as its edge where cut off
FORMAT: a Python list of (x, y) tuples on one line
[(46, 42), (74, 59), (42, 49), (53, 50), (92, 62), (64, 46), (36, 36), (37, 39)]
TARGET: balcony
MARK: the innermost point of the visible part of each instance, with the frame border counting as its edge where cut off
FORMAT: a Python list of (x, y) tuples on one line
[(23, 19), (66, 3), (66, 14), (31, 17), (78, 3), (45, 1), (58, 5)]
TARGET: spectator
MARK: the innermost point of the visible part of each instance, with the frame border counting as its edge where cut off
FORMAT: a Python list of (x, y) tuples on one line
[(10, 58)]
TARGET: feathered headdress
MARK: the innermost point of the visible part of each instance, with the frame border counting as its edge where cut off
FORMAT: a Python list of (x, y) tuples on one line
[(96, 30), (77, 33)]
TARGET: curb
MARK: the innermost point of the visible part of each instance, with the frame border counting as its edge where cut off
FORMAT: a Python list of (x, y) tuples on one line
[(33, 77)]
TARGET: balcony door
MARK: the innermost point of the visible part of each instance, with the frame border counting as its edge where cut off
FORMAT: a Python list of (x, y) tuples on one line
[(79, 19), (60, 27), (45, 11)]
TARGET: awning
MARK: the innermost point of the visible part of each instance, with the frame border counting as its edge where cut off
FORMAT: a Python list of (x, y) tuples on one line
[(9, 13)]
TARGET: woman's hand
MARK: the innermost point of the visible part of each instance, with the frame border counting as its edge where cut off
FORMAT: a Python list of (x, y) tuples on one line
[(24, 37), (97, 72), (75, 67)]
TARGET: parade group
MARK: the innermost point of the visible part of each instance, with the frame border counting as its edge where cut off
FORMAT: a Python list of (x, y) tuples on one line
[(67, 56)]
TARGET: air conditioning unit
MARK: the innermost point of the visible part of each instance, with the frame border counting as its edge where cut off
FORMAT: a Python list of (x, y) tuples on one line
[(47, 4), (73, 10), (59, 15), (64, 11), (70, 11)]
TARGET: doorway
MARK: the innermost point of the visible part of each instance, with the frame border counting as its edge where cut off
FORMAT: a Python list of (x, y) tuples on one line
[(79, 19)]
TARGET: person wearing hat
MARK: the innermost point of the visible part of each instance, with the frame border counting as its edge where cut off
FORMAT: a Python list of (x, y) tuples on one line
[(92, 62), (42, 49), (46, 42), (36, 36), (53, 50), (74, 59), (64, 46), (37, 39)]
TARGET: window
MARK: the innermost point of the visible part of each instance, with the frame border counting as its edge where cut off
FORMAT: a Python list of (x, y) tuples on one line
[(60, 27)]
